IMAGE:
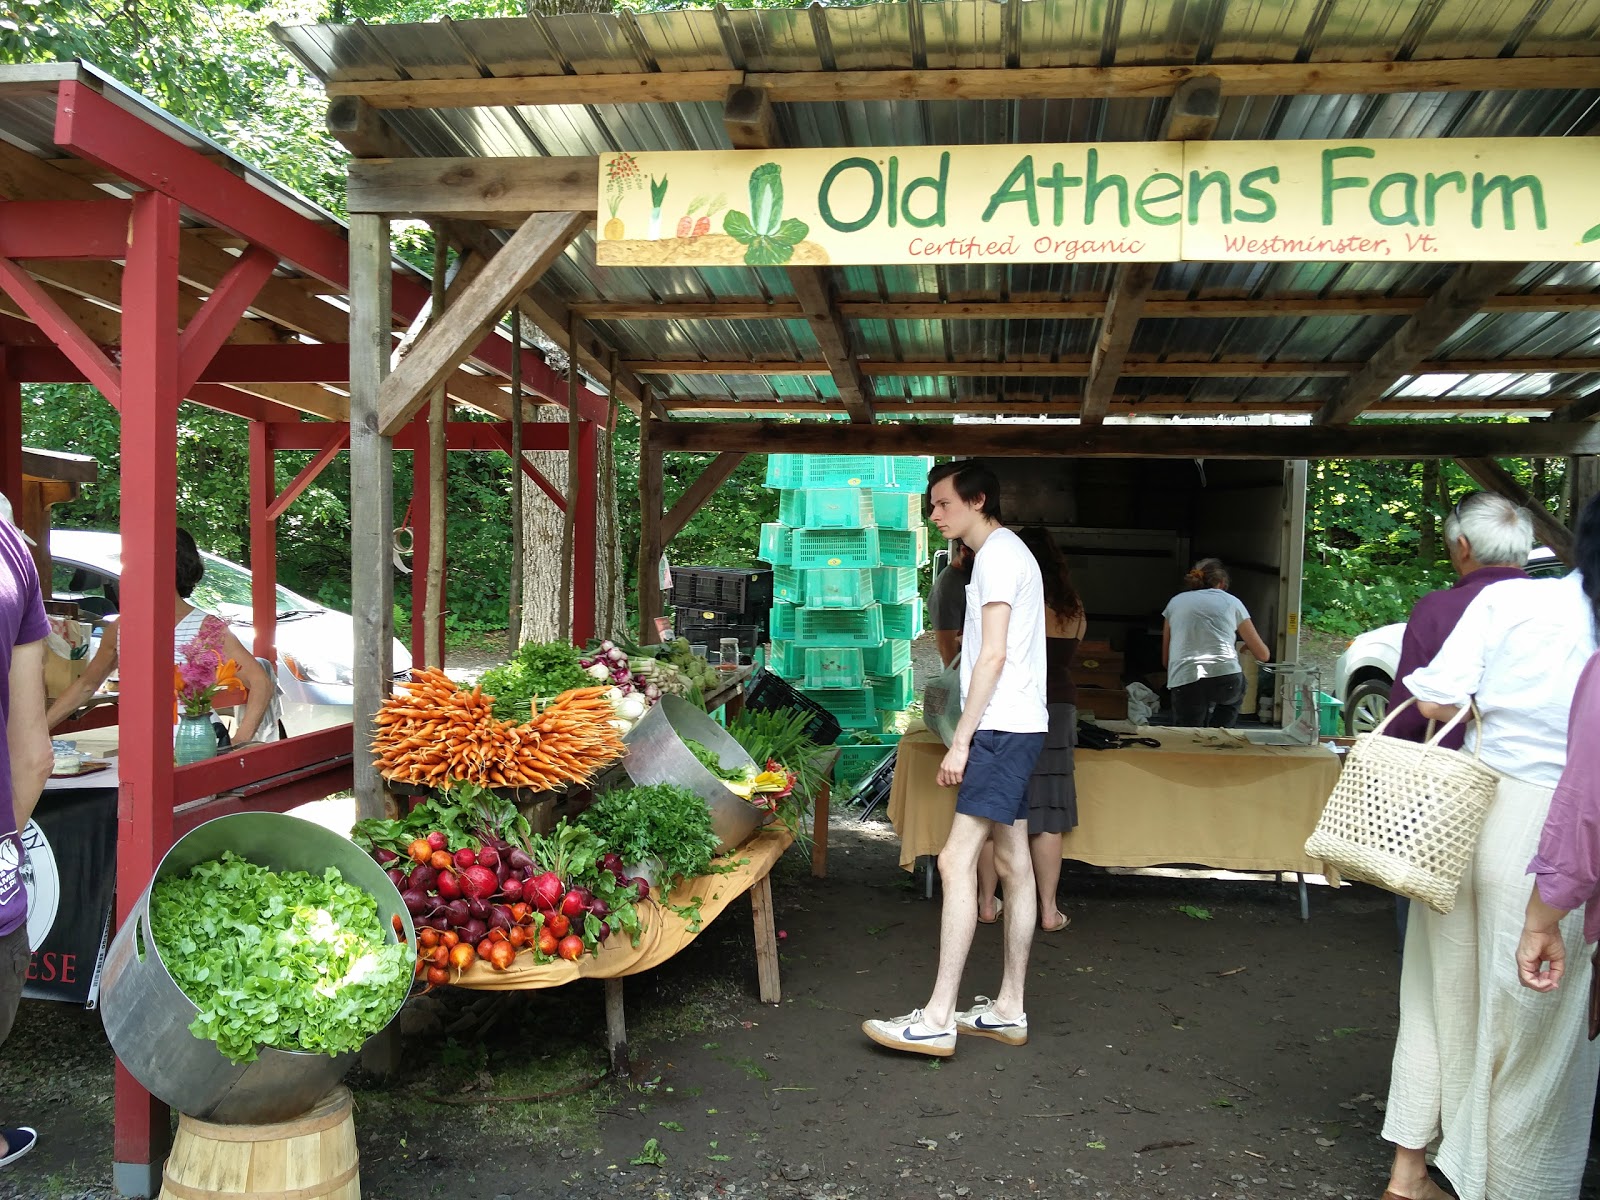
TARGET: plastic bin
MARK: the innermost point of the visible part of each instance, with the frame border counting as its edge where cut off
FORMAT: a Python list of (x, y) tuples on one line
[(852, 709), (855, 761), (838, 587), (897, 510), (777, 544), (826, 508), (710, 634), (888, 658), (788, 585), (815, 549), (722, 589), (894, 585), (833, 667), (894, 692), (902, 622), (786, 659), (792, 471), (769, 693), (908, 473), (780, 622), (899, 547), (819, 627)]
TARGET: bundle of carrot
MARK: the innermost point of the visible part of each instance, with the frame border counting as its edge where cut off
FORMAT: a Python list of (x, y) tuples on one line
[(435, 732)]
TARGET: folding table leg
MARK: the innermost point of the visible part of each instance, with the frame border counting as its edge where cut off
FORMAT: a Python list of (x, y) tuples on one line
[(616, 1029), (1305, 897), (766, 940), (819, 830)]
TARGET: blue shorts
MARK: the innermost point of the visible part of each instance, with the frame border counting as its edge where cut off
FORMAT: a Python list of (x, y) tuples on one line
[(995, 785)]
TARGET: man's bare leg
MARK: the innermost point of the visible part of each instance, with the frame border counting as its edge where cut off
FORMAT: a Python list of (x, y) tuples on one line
[(988, 881), (1014, 860), (958, 919)]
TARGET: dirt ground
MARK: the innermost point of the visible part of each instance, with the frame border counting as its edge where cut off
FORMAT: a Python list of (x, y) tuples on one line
[(1189, 1038)]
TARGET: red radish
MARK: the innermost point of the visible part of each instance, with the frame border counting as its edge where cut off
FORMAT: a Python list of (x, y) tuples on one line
[(502, 955), (478, 907), (441, 860), (603, 932), (512, 889), (438, 921), (558, 924), (384, 857), (611, 861), (570, 947), (417, 902), (479, 881), (438, 976), (474, 930), (576, 902), (546, 943), (466, 858), (420, 851), (437, 841), (458, 912), (489, 857), (484, 947), (449, 885), (396, 877), (463, 956), (600, 910), (423, 877), (641, 887), (547, 890), (519, 859), (621, 877), (499, 917)]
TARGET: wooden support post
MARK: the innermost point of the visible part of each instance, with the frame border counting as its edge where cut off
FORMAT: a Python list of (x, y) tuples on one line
[(518, 518), (616, 1029), (438, 473), (11, 442), (1491, 476), (820, 806), (650, 540), (371, 494), (586, 535), (569, 511), (766, 940), (1583, 484), (421, 535), (263, 542)]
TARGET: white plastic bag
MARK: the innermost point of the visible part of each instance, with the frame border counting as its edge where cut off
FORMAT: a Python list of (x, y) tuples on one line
[(941, 702), (1142, 704)]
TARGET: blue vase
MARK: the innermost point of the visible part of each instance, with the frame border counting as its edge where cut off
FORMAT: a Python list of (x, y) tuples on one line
[(195, 740)]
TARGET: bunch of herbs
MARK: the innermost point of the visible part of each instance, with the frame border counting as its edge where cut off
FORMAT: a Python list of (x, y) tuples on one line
[(536, 672), (659, 820)]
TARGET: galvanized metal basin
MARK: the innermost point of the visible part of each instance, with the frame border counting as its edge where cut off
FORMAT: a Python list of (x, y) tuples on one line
[(147, 1014), (656, 754)]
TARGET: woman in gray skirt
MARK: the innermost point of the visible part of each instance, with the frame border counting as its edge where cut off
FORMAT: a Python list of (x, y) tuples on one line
[(1052, 792)]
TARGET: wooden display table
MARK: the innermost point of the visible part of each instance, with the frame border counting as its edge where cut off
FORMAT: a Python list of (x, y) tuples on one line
[(664, 933), (729, 692)]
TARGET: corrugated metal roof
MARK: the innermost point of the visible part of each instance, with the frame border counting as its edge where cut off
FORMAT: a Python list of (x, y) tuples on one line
[(1013, 33)]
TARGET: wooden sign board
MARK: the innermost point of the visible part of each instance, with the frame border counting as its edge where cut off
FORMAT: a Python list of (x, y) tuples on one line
[(1446, 200)]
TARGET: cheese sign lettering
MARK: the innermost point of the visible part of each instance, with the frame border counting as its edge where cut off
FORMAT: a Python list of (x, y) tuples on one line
[(1451, 200)]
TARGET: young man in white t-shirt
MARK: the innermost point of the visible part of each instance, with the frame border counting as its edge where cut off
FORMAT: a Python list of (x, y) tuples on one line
[(991, 756)]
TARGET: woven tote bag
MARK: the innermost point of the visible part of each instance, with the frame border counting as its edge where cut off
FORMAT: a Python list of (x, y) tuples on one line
[(1406, 815)]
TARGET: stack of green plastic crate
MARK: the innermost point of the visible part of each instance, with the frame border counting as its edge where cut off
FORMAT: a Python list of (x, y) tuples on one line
[(844, 552)]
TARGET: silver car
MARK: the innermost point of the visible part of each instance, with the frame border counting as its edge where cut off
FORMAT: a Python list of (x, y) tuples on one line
[(316, 644)]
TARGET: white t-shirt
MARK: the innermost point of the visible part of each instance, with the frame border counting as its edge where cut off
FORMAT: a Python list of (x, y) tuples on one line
[(1005, 572), (1205, 623), (1519, 648)]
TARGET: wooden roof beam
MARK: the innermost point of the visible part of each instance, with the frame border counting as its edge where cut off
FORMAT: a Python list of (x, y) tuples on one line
[(1492, 477), (751, 125), (1456, 302), (1121, 405), (1584, 408), (1140, 368), (1192, 115), (983, 83)]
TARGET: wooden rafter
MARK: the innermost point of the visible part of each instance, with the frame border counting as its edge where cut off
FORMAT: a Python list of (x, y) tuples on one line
[(1033, 440), (751, 125), (1038, 83), (1457, 301), (1121, 405), (1491, 476), (1585, 408), (1142, 368), (1192, 115), (717, 472)]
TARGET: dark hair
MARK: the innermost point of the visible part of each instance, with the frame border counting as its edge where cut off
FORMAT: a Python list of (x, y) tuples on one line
[(189, 567), (971, 479), (1586, 553), (1059, 594), (1207, 573)]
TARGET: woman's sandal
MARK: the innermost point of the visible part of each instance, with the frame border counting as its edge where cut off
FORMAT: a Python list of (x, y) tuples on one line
[(1065, 921), (999, 906)]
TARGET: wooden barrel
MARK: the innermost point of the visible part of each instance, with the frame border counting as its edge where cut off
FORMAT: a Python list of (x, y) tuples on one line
[(312, 1157)]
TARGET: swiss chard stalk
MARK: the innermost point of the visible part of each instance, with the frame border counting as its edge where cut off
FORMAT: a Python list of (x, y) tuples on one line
[(768, 239)]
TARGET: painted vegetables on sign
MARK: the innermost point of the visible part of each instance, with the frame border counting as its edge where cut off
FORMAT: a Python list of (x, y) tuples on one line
[(768, 239), (622, 176)]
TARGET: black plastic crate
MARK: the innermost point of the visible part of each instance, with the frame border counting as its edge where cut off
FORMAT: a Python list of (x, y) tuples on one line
[(739, 593), (709, 633), (768, 693)]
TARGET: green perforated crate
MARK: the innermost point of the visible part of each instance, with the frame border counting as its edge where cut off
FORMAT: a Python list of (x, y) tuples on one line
[(852, 709), (833, 667), (902, 621), (893, 585), (907, 473), (788, 585), (786, 660), (838, 587), (830, 470), (896, 547), (858, 627), (892, 693), (826, 508), (896, 510), (780, 623), (888, 658), (855, 761), (777, 544), (815, 549)]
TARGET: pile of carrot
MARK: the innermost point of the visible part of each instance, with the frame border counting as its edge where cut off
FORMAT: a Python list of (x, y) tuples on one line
[(434, 732)]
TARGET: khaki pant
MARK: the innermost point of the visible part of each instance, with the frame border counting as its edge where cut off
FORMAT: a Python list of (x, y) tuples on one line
[(14, 957)]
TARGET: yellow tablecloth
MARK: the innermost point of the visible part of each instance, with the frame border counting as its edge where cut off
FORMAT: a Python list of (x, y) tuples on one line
[(1201, 798), (664, 933)]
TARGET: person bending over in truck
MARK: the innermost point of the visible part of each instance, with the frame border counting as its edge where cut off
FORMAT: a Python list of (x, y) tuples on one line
[(1004, 719), (1198, 634)]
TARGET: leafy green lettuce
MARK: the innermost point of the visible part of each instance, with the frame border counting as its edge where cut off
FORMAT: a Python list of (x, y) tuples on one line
[(769, 240), (287, 960)]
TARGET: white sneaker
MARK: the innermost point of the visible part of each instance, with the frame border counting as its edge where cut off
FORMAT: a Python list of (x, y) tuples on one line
[(981, 1021), (913, 1034)]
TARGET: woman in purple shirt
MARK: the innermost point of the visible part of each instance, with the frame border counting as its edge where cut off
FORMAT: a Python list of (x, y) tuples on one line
[(1567, 868)]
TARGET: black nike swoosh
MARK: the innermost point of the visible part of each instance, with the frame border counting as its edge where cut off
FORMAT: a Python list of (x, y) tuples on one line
[(911, 1037)]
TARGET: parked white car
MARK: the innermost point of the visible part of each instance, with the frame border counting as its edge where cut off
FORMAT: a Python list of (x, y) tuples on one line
[(316, 644), (1365, 672)]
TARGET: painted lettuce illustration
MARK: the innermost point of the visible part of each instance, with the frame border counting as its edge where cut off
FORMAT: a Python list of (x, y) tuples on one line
[(767, 238)]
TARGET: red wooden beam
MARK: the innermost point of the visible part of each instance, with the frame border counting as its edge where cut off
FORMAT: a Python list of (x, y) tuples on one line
[(240, 767), (91, 361), (263, 543), (493, 436), (278, 794), (280, 362), (585, 533), (243, 404), (11, 440), (64, 228), (503, 436), (336, 437), (209, 328)]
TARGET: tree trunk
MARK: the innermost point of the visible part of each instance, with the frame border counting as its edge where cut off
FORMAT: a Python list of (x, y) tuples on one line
[(1430, 517)]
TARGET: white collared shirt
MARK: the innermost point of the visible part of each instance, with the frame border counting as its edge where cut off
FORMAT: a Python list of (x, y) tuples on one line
[(1519, 648)]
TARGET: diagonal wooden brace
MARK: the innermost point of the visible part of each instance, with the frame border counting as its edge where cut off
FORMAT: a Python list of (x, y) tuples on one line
[(63, 330), (209, 328)]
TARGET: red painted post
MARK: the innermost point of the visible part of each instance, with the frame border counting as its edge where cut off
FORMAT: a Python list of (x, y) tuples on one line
[(585, 534), (263, 541), (149, 497), (11, 439), (420, 549)]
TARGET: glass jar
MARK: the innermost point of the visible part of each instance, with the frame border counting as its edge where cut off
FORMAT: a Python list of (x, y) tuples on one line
[(728, 653)]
